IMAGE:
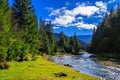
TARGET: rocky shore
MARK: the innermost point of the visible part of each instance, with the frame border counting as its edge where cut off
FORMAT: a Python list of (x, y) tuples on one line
[(109, 63)]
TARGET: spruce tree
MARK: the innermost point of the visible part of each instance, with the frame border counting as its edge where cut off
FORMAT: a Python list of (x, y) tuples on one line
[(43, 39), (4, 28), (50, 34), (106, 40), (25, 22)]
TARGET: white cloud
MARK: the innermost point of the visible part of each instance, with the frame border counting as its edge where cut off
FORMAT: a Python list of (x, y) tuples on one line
[(102, 6), (66, 17), (47, 19), (85, 10), (64, 20), (99, 16), (77, 4), (56, 27), (111, 1), (79, 18), (57, 12), (81, 9), (99, 3), (82, 25)]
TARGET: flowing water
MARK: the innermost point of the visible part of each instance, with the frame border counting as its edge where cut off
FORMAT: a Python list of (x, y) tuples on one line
[(87, 65)]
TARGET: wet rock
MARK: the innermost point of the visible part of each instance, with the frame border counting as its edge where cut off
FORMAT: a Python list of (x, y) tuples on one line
[(68, 65), (92, 56), (61, 74)]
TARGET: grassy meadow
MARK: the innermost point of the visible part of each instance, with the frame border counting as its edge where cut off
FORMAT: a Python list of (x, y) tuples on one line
[(40, 69)]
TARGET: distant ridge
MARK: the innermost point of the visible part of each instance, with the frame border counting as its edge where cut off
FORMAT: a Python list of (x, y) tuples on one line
[(85, 38)]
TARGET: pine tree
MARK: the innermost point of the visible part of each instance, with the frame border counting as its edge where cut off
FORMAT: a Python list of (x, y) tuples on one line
[(62, 42), (4, 28), (25, 22), (106, 38), (4, 16), (50, 34), (77, 44), (74, 44), (43, 39)]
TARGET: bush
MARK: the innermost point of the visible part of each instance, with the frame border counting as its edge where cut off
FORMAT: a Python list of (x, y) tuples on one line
[(34, 58), (4, 65), (28, 57), (3, 55)]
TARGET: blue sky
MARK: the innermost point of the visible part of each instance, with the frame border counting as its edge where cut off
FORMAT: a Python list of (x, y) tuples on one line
[(73, 16)]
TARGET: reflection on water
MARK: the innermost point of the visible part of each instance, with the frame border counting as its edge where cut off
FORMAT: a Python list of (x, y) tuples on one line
[(86, 65)]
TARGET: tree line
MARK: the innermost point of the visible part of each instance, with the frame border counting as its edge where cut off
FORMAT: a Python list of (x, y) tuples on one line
[(106, 38), (68, 44), (22, 35)]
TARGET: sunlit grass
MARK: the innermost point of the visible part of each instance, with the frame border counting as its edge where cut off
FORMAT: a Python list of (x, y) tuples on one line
[(40, 70)]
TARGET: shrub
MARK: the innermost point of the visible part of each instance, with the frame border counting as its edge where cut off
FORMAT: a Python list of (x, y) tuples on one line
[(3, 51), (4, 65), (28, 57)]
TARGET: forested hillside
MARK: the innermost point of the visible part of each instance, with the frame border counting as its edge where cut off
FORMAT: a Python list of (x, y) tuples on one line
[(106, 38), (22, 36)]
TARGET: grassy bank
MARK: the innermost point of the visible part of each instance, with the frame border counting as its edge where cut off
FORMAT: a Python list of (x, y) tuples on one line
[(40, 70)]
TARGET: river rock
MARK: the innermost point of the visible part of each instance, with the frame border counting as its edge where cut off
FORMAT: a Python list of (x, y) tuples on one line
[(68, 65), (61, 74)]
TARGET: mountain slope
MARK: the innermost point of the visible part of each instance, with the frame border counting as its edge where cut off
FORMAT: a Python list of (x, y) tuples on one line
[(85, 38)]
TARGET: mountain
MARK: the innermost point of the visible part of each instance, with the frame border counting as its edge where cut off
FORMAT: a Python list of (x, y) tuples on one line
[(85, 38), (56, 36)]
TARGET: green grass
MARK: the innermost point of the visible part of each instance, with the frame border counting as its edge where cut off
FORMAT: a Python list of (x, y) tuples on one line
[(40, 70)]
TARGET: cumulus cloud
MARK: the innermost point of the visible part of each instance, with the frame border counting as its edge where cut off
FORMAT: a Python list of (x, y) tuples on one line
[(98, 16), (99, 3), (57, 12), (70, 17), (79, 18), (56, 27), (82, 25), (102, 6), (47, 19), (64, 20), (85, 10)]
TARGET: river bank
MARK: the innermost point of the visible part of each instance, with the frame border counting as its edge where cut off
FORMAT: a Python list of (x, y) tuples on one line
[(109, 63), (106, 60), (41, 69), (87, 64)]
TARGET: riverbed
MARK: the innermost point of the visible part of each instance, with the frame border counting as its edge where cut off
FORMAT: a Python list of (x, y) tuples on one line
[(87, 65)]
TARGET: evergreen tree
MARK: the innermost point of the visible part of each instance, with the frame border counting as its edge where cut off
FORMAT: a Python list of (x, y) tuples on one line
[(43, 39), (4, 16), (77, 44), (50, 34), (4, 28), (106, 38), (25, 21), (74, 44), (62, 42)]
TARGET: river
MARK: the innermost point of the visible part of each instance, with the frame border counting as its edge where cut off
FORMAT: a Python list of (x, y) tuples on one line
[(87, 65)]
